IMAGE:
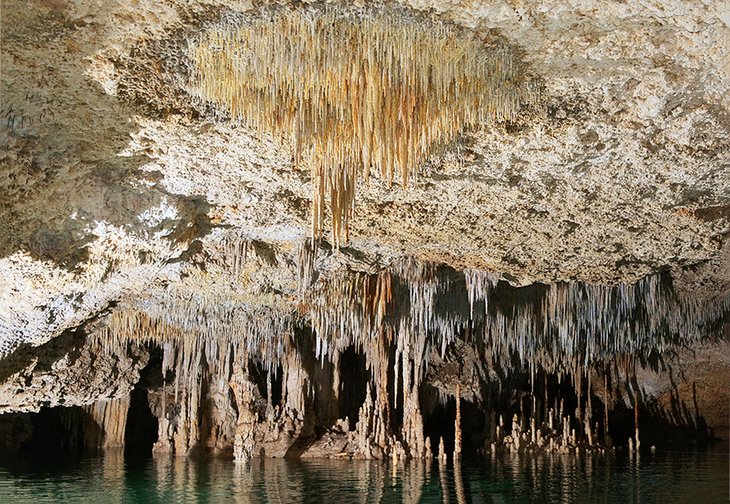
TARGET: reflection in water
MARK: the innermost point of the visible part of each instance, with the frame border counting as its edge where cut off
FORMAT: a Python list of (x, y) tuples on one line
[(459, 484), (444, 480), (499, 479)]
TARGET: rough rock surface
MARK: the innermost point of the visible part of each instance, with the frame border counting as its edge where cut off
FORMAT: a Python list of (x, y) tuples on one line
[(67, 371), (696, 391), (622, 172)]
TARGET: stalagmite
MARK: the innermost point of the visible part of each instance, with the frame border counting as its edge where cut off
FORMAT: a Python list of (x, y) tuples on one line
[(394, 457), (457, 424), (244, 443), (636, 419), (533, 431)]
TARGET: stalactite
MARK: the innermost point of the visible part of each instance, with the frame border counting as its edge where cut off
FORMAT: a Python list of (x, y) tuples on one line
[(395, 85), (403, 320), (478, 286), (305, 265)]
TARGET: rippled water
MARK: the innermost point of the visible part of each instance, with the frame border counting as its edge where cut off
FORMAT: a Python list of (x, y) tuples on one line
[(677, 477)]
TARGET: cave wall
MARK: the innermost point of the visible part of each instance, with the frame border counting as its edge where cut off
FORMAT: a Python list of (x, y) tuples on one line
[(583, 238)]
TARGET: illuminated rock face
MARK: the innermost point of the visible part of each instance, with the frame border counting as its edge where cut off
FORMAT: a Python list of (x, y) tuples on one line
[(555, 261)]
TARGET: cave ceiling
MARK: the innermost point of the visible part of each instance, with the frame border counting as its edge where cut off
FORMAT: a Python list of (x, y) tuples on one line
[(119, 185)]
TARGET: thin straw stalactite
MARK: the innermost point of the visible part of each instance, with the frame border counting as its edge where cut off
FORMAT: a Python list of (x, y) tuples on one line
[(356, 90)]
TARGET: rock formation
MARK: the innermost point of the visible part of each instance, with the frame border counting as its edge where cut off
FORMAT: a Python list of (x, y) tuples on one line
[(551, 272)]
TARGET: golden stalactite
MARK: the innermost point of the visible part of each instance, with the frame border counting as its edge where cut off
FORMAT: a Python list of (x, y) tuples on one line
[(356, 90), (130, 325)]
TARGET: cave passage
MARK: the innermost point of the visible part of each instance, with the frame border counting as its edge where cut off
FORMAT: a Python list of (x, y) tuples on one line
[(354, 378), (375, 371), (140, 432), (65, 430)]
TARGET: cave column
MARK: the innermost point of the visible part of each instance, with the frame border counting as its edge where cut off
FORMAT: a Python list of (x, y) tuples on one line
[(457, 424), (243, 438), (111, 418), (412, 417)]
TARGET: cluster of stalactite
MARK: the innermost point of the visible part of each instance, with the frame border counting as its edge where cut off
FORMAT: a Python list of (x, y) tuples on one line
[(242, 373), (409, 316), (111, 417), (201, 316), (99, 425), (356, 90), (538, 361), (560, 327), (219, 396)]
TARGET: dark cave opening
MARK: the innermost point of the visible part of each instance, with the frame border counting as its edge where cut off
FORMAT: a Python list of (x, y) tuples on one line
[(473, 428), (267, 382), (515, 396), (62, 430), (141, 429), (276, 387), (439, 422), (140, 433), (354, 378)]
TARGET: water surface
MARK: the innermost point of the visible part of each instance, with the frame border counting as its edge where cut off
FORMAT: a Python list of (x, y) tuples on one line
[(667, 478)]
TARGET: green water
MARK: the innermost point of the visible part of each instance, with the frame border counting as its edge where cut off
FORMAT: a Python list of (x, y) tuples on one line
[(677, 477)]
